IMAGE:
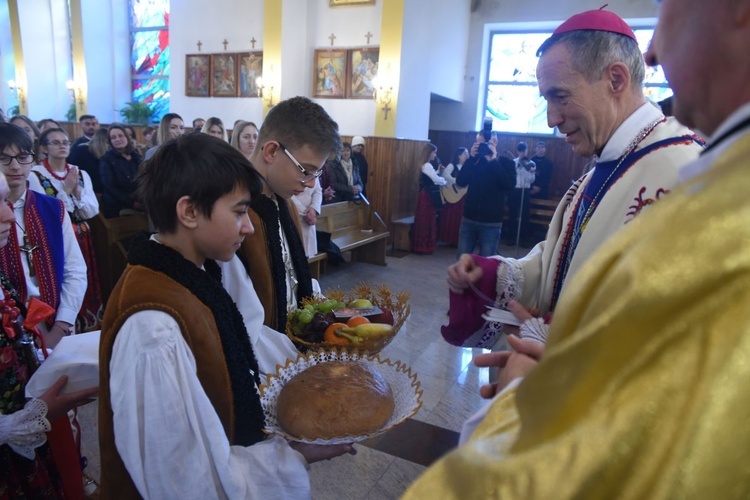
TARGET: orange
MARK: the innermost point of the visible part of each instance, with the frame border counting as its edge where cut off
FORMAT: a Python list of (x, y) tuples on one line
[(356, 321), (331, 337)]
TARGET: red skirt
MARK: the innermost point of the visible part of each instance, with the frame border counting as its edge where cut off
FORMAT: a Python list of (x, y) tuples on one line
[(92, 311), (424, 230), (450, 222)]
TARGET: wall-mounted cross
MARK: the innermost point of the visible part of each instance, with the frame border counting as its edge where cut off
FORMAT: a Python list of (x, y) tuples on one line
[(368, 35), (225, 44), (199, 44), (386, 109), (332, 38), (252, 41)]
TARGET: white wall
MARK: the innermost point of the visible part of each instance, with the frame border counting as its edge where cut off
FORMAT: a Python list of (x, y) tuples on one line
[(211, 22), (449, 40), (45, 33), (464, 115), (349, 24)]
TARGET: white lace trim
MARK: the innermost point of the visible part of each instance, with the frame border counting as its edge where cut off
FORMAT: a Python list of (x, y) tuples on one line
[(24, 430), (535, 329), (509, 282)]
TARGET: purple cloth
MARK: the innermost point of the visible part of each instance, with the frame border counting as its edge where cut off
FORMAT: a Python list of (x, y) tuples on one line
[(466, 309)]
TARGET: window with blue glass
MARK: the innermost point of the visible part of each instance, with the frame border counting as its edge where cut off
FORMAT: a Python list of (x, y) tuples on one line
[(149, 54), (512, 96)]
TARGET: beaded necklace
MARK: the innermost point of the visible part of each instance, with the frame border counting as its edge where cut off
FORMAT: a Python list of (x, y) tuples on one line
[(582, 221), (55, 174)]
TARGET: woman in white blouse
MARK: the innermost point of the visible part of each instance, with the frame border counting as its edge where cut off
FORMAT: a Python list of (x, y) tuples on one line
[(424, 232), (55, 177)]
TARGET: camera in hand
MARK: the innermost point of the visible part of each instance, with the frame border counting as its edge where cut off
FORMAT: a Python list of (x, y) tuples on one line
[(487, 129)]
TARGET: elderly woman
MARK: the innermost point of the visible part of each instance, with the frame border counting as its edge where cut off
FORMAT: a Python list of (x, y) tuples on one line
[(118, 169)]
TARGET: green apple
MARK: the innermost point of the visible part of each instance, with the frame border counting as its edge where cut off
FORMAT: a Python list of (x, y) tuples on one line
[(360, 303)]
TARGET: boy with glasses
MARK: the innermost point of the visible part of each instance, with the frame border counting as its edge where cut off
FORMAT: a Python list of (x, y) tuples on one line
[(296, 139), (42, 258)]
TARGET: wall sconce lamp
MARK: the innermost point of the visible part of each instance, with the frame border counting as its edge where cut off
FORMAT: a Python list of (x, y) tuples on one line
[(76, 93), (382, 95), (265, 91), (19, 91)]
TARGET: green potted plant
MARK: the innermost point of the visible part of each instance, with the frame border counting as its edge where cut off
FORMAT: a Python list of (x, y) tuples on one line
[(136, 113)]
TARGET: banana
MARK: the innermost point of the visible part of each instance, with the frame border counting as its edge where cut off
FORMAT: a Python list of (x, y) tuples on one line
[(353, 339), (370, 330)]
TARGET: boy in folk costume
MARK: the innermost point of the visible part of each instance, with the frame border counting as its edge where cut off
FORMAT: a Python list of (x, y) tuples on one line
[(296, 139), (42, 258), (178, 371)]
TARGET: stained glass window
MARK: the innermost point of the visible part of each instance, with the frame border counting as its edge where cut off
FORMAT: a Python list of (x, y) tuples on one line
[(149, 54), (512, 98)]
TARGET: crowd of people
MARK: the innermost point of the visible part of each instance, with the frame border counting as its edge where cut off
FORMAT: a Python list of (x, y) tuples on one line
[(465, 203), (623, 379)]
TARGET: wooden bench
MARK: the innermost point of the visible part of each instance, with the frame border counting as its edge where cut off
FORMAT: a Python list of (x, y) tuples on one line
[(541, 212), (317, 264), (402, 233), (355, 228), (111, 256)]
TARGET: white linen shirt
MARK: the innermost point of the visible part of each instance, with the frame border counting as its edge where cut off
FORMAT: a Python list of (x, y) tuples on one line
[(88, 205), (168, 433), (74, 280)]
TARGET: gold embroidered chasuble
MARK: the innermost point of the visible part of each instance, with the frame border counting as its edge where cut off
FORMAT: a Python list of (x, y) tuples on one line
[(642, 392)]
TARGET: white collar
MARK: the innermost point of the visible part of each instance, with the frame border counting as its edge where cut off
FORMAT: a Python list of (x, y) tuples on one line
[(617, 144), (21, 202)]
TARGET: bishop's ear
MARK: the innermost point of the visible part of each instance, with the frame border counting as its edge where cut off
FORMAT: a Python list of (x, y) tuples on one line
[(187, 212), (619, 77)]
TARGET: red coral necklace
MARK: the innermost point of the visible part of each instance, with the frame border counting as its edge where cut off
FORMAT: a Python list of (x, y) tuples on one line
[(55, 174)]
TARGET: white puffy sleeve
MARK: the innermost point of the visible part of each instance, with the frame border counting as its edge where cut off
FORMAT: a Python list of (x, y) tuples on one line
[(169, 435)]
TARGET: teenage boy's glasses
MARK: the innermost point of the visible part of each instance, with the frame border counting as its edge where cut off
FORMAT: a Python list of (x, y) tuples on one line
[(307, 175), (22, 159)]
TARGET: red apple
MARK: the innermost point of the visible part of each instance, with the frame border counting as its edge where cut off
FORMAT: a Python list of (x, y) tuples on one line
[(384, 317)]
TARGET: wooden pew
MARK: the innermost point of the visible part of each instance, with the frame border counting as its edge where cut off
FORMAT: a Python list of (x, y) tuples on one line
[(110, 253), (541, 212), (402, 233), (357, 229)]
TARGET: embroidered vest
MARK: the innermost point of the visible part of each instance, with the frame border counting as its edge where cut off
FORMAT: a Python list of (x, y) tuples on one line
[(141, 289), (44, 217)]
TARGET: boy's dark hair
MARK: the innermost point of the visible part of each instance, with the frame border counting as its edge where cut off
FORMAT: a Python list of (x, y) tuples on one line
[(199, 166), (86, 117), (522, 146), (299, 122), (13, 135)]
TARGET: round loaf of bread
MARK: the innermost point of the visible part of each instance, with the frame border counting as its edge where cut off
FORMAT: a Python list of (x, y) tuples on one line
[(335, 399)]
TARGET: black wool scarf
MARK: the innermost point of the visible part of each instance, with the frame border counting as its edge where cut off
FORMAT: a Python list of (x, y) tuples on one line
[(272, 214), (241, 362)]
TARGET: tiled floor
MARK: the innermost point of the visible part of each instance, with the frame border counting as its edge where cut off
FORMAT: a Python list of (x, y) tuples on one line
[(449, 379)]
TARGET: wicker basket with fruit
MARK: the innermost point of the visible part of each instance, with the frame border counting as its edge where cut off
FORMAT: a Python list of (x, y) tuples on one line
[(365, 319)]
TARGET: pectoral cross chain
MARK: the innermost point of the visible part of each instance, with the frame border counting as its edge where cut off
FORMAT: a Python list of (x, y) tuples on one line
[(28, 249)]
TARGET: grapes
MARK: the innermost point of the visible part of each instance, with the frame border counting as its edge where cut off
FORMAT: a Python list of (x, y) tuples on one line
[(305, 316), (311, 321)]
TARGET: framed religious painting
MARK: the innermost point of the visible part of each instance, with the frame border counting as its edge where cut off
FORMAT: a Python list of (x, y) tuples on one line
[(249, 69), (337, 3), (330, 69), (363, 68), (197, 75), (224, 75)]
